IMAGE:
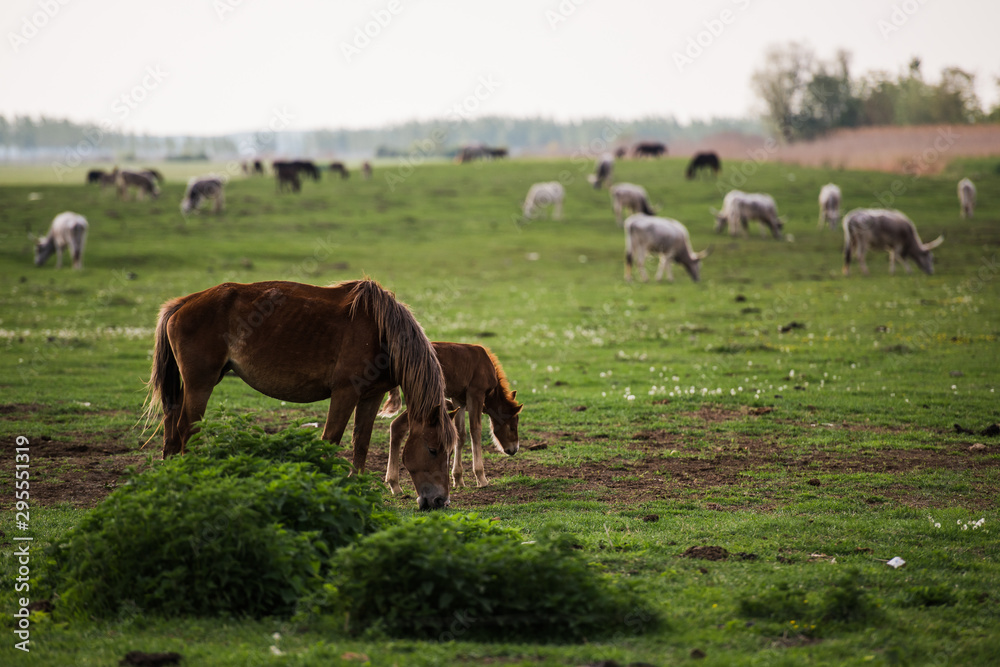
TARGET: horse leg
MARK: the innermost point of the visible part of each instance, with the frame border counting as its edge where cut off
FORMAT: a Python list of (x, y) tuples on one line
[(364, 421), (397, 432), (196, 395), (475, 407), (456, 463), (342, 404)]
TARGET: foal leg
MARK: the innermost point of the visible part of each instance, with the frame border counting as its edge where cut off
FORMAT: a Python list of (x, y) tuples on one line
[(397, 433), (475, 407), (456, 463)]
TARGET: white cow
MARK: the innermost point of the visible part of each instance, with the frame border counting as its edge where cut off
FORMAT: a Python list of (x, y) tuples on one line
[(541, 195), (738, 208), (665, 237), (629, 196), (829, 205), (967, 197), (200, 188), (886, 229), (68, 229)]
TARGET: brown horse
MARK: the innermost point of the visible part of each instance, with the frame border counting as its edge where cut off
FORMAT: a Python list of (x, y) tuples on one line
[(349, 343), (475, 382)]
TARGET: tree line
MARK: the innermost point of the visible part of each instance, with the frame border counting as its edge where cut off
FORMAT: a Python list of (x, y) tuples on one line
[(25, 136), (806, 97)]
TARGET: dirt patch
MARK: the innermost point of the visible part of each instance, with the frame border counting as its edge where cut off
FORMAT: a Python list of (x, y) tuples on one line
[(728, 472), (80, 470), (706, 553)]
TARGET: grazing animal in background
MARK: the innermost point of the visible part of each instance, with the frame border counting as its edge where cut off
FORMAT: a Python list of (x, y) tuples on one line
[(886, 229), (541, 195), (68, 229), (339, 167), (470, 153), (498, 153), (707, 160), (109, 179), (200, 188), (153, 175), (349, 343), (629, 196), (286, 175), (142, 184), (649, 149), (829, 205), (475, 383), (258, 167), (306, 167), (967, 198), (366, 170), (739, 208), (621, 152), (665, 237), (94, 176), (602, 171)]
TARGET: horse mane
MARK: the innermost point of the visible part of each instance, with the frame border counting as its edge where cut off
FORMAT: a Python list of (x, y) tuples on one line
[(411, 356), (501, 377)]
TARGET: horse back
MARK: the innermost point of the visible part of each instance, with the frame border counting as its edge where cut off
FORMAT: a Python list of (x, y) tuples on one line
[(467, 368), (288, 340)]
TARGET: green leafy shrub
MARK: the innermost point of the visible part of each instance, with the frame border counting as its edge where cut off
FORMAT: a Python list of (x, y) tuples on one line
[(449, 577), (209, 532), (843, 602)]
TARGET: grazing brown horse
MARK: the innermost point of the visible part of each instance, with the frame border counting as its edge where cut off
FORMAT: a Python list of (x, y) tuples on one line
[(474, 382), (349, 343)]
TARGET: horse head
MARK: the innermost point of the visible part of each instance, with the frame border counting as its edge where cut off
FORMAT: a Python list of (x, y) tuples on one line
[(426, 455)]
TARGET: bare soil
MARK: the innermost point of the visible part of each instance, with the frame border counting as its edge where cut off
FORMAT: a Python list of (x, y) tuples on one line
[(724, 470)]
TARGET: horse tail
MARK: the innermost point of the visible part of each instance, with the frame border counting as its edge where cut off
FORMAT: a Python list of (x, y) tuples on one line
[(164, 386), (392, 404), (646, 207)]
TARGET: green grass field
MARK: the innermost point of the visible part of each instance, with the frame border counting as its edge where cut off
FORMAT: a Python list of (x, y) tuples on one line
[(828, 446)]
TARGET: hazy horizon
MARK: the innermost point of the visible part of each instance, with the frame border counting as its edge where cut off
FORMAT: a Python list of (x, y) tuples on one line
[(214, 67)]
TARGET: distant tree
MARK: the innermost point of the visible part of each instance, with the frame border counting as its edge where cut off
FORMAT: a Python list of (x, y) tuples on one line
[(806, 97)]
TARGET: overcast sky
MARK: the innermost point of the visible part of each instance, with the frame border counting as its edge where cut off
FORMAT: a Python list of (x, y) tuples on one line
[(216, 66)]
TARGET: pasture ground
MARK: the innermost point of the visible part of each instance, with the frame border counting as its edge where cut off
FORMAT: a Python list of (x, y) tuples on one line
[(776, 409)]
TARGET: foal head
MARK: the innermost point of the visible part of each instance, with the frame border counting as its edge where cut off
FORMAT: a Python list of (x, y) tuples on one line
[(425, 456), (504, 418)]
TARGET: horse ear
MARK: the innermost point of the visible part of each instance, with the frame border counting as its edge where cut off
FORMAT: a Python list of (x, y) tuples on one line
[(518, 411), (513, 394), (454, 413)]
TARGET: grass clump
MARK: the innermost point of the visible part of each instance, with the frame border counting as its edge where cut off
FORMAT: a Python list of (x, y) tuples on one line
[(450, 577), (843, 603), (214, 532)]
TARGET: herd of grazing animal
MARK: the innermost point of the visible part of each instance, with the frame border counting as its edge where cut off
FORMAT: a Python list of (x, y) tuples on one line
[(864, 229), (442, 381)]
